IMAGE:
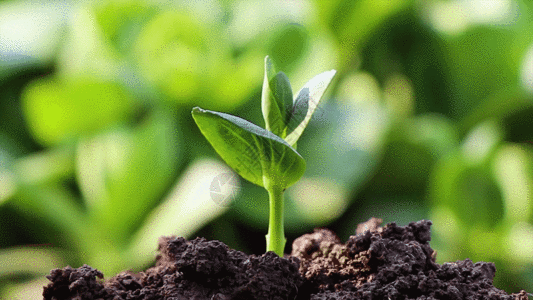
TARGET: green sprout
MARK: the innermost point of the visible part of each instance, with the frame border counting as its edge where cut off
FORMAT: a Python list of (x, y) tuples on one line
[(267, 157)]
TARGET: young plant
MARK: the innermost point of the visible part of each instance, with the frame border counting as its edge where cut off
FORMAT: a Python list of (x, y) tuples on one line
[(267, 157)]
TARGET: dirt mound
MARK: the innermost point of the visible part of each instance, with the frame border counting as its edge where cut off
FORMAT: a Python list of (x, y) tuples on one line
[(390, 262)]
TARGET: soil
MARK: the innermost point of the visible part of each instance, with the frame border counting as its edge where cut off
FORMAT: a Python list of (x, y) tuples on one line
[(389, 262)]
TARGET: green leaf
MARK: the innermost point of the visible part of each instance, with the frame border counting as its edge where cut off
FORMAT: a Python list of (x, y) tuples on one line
[(177, 43), (127, 169), (57, 110), (305, 105), (253, 152), (121, 21), (276, 99)]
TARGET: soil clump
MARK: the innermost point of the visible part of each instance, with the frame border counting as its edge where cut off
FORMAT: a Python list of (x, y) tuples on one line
[(390, 262)]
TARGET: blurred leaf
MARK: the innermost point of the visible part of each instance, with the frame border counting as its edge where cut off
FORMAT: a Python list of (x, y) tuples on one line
[(29, 260), (512, 105), (315, 201), (60, 110), (435, 132), (27, 290), (186, 208), (405, 45), (8, 185), (170, 51), (464, 182), (121, 21), (469, 191), (479, 199), (47, 166), (356, 135), (8, 182), (288, 45), (234, 81), (58, 207), (34, 171), (512, 169), (518, 242), (354, 21), (123, 172), (481, 142), (475, 77), (30, 33), (414, 146), (469, 201), (14, 132), (85, 52)]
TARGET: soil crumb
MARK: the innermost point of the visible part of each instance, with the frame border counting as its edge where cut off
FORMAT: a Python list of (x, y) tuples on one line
[(389, 262)]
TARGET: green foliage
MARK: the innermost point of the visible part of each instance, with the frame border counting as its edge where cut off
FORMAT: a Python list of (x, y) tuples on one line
[(284, 116), (253, 152), (58, 111), (263, 156), (276, 101), (99, 155), (305, 104)]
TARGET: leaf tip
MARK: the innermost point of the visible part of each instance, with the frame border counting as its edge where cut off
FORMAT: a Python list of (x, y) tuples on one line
[(331, 73), (197, 109), (270, 70)]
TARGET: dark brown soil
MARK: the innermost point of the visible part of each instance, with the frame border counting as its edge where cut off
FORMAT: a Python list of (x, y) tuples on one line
[(388, 262)]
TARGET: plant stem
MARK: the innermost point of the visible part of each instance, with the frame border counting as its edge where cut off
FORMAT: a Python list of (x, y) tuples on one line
[(276, 234)]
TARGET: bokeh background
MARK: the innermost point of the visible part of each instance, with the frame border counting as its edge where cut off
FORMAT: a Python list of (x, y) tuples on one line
[(430, 116)]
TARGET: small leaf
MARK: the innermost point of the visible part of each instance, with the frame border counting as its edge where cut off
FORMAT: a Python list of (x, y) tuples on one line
[(253, 152), (276, 99), (305, 105)]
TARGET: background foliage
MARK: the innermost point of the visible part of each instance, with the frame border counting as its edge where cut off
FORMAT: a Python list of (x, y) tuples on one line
[(430, 116)]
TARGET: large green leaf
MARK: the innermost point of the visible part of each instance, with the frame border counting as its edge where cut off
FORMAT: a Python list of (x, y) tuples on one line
[(305, 105), (176, 43), (121, 21), (253, 152), (124, 171), (276, 99), (57, 110)]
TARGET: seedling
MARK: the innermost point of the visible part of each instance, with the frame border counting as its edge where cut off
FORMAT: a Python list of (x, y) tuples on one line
[(267, 157)]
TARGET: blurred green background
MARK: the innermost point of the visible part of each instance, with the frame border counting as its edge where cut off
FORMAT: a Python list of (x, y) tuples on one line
[(430, 116)]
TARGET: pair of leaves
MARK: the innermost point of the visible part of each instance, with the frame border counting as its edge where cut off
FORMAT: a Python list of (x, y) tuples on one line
[(266, 156), (285, 117)]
